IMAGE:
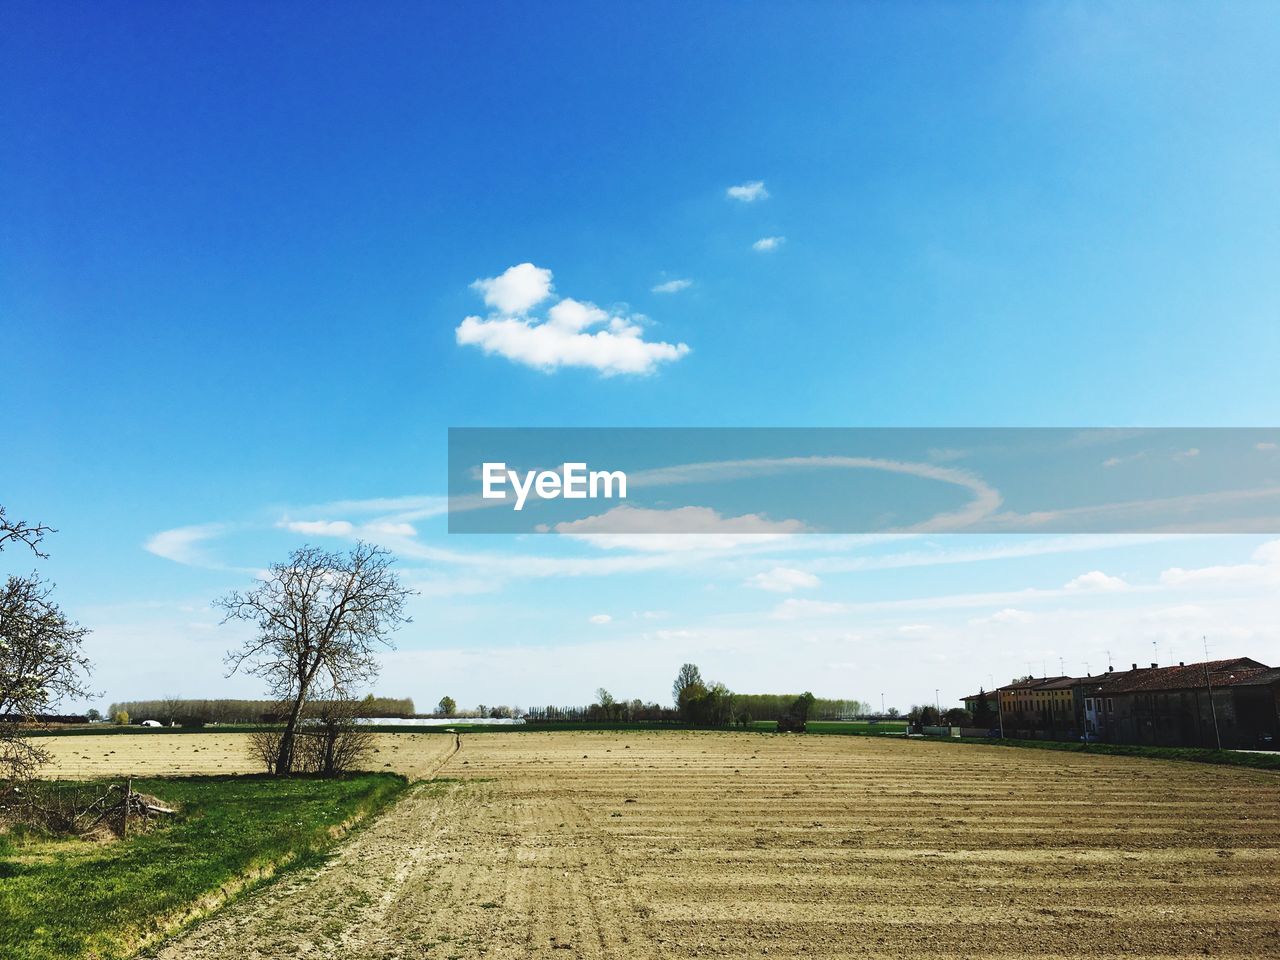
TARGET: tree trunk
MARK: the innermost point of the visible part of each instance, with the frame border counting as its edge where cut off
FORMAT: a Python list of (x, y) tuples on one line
[(284, 760)]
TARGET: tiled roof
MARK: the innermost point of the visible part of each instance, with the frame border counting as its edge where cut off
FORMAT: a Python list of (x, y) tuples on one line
[(1221, 673), (1260, 679)]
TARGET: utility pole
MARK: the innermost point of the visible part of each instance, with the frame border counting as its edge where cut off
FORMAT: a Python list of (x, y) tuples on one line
[(1213, 710), (882, 704)]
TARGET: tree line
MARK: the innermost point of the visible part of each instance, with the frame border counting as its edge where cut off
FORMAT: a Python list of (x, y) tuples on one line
[(185, 712)]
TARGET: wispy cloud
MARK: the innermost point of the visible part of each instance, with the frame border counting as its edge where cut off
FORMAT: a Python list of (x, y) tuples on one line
[(319, 528), (767, 244), (184, 544), (1007, 616), (784, 580), (573, 333), (601, 619), (748, 192), (673, 286), (680, 528)]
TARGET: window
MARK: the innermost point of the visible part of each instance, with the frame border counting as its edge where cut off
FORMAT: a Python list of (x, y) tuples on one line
[(1110, 707)]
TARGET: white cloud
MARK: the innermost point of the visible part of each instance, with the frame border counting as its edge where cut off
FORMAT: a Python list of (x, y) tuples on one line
[(518, 290), (682, 528), (1264, 446), (319, 528), (1265, 572), (1009, 615), (182, 544), (748, 192), (1187, 454), (765, 244), (601, 618), (673, 286), (784, 580), (573, 333), (1096, 580)]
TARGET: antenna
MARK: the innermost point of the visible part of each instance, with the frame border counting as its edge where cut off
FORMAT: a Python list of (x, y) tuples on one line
[(1155, 649), (1108, 659), (1062, 670)]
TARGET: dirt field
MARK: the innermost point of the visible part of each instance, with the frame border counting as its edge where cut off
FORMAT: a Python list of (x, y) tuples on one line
[(191, 754), (687, 844)]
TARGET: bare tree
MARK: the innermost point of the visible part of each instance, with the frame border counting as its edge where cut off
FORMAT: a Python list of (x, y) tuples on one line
[(169, 707), (22, 532), (331, 741), (321, 617), (41, 662)]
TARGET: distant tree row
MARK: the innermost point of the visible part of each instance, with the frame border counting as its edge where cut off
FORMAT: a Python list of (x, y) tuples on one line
[(929, 716), (771, 706), (610, 711), (169, 710)]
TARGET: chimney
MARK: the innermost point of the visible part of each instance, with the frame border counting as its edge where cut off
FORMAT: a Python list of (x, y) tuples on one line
[(1135, 666), (1154, 665), (1111, 669), (1181, 663)]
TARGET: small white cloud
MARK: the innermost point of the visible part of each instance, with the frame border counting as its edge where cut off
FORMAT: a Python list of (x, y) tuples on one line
[(574, 333), (602, 618), (518, 290), (766, 244), (748, 192), (784, 580), (673, 286), (318, 528), (1187, 454), (1096, 580), (1264, 446)]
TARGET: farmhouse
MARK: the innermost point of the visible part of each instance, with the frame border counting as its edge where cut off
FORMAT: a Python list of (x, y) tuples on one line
[(1232, 703)]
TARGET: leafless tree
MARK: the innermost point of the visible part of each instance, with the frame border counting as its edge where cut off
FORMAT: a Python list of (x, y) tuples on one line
[(331, 741), (170, 705), (41, 662), (19, 531), (320, 618)]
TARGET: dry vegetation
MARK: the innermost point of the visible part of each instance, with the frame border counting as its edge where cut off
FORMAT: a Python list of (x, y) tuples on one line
[(703, 844)]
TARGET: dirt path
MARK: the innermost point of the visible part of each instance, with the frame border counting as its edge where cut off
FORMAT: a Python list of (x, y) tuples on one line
[(677, 845), (455, 869)]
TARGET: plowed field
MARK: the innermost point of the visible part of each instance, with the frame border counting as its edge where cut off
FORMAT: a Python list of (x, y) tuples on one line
[(741, 845)]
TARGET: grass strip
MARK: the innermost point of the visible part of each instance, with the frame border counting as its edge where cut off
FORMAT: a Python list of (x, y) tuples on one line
[(68, 898)]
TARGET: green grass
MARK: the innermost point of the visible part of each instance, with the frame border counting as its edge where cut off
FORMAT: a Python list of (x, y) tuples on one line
[(1230, 758), (65, 898)]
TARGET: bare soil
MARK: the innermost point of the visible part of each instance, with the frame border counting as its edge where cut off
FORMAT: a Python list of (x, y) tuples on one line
[(668, 845)]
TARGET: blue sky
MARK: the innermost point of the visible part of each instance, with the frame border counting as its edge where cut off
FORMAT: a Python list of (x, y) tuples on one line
[(237, 245)]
